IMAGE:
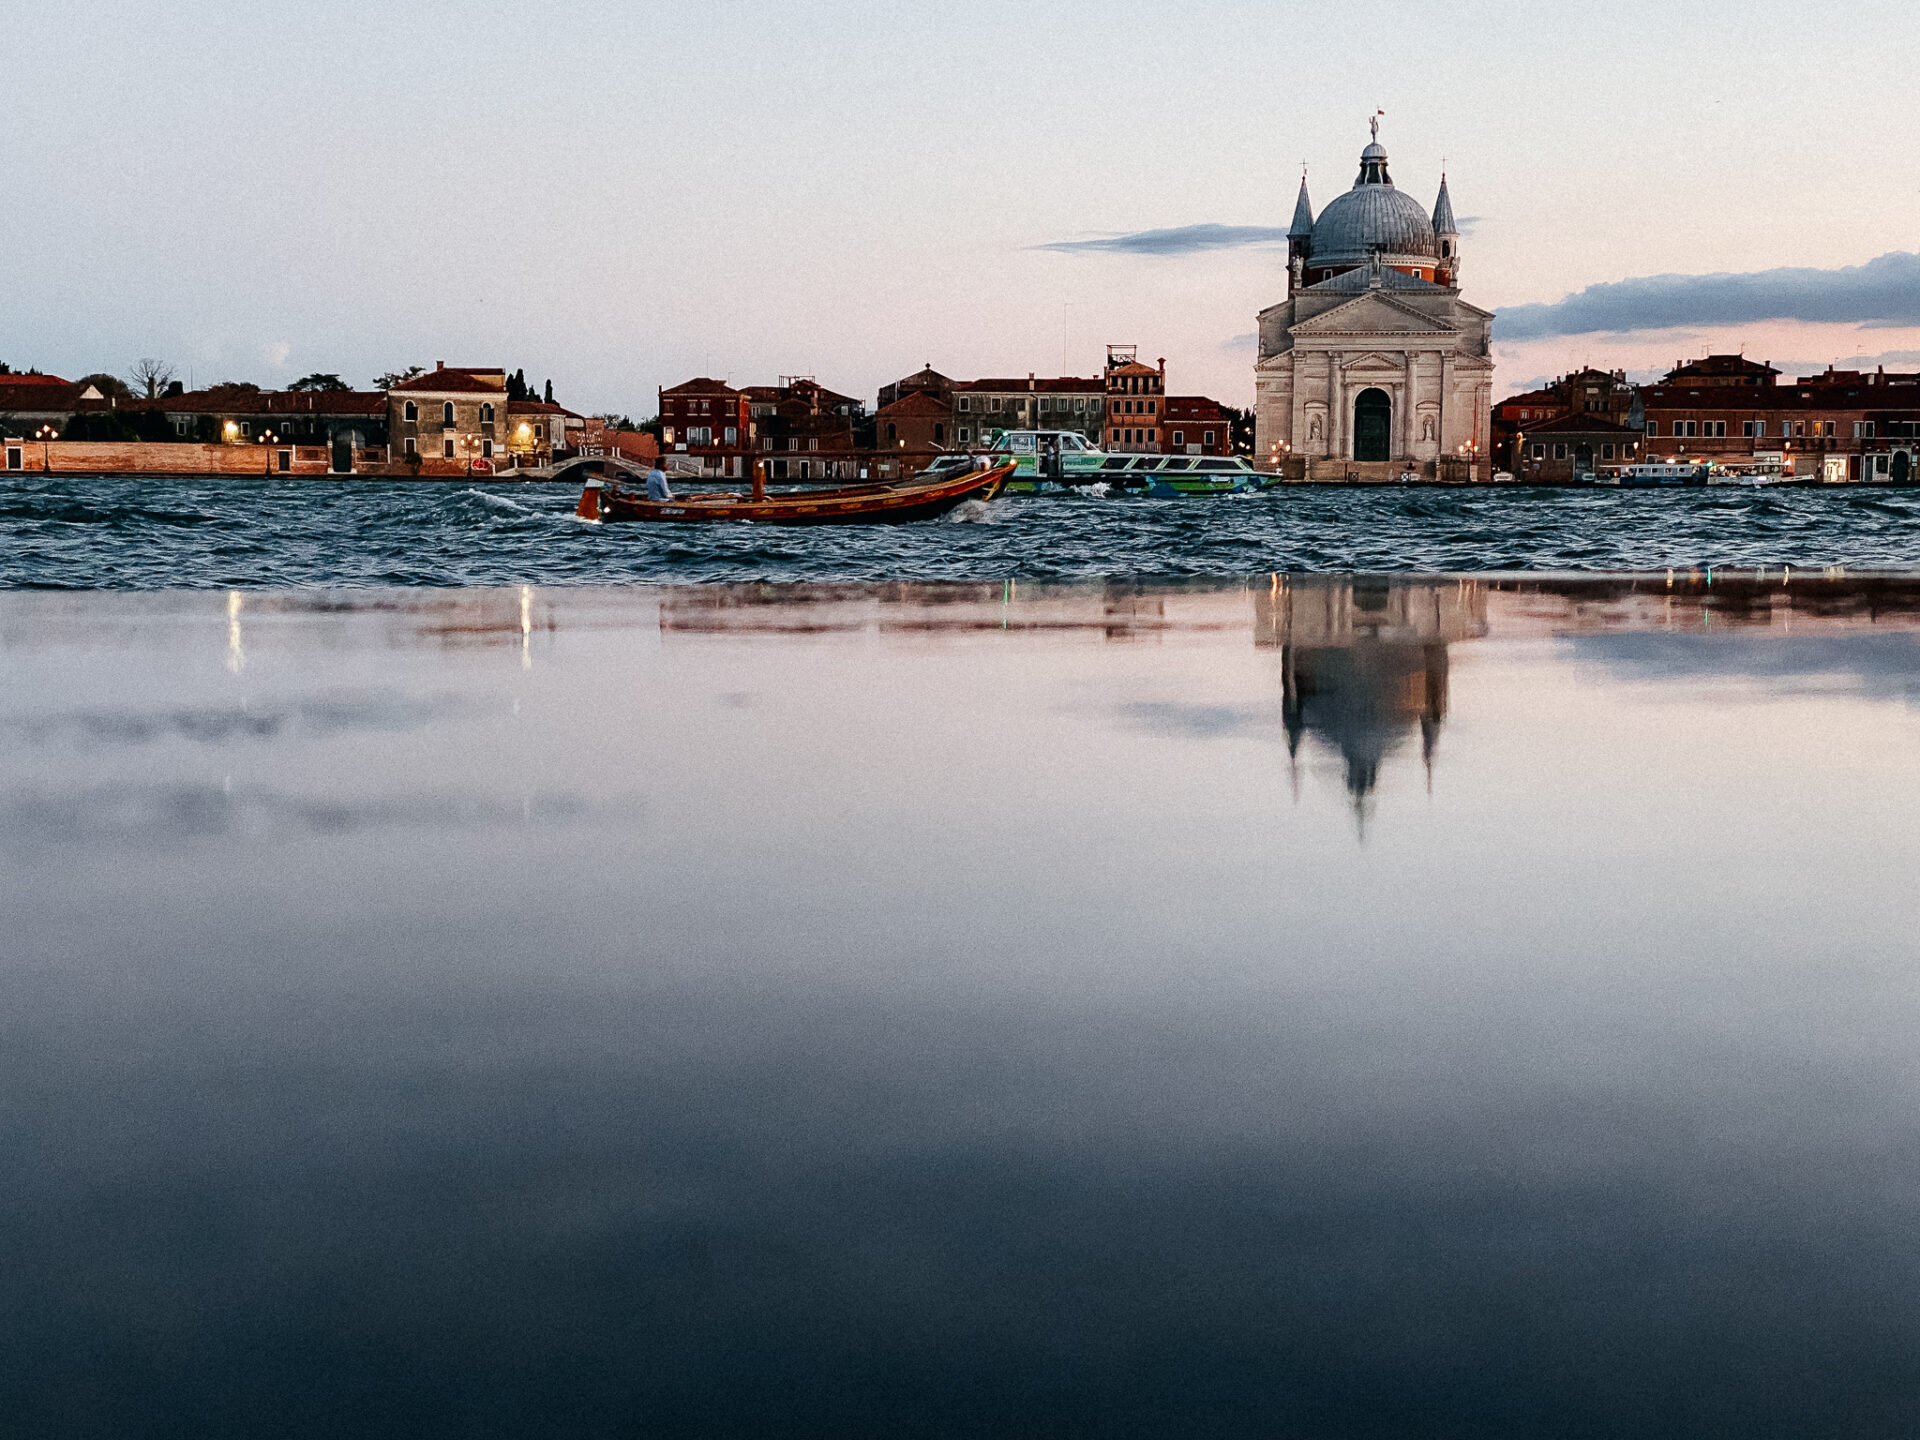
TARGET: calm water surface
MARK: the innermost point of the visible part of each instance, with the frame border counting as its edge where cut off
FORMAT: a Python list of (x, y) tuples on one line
[(127, 534), (1445, 1007)]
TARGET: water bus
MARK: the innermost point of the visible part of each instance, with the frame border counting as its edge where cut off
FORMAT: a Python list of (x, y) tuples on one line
[(1650, 475), (1053, 461)]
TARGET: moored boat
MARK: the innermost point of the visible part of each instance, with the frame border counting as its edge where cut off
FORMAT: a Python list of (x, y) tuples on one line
[(926, 496), (1052, 461)]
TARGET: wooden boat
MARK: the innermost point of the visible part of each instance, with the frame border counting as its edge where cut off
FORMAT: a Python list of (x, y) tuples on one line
[(922, 497)]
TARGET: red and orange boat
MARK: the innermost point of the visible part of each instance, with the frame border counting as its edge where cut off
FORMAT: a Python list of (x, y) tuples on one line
[(925, 496)]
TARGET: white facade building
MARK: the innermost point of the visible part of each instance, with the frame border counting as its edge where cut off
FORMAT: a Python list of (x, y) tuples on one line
[(1373, 363)]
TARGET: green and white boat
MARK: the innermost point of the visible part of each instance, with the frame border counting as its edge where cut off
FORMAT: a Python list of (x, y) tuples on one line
[(1058, 461)]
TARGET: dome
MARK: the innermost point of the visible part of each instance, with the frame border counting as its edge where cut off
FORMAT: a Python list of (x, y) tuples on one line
[(1373, 217)]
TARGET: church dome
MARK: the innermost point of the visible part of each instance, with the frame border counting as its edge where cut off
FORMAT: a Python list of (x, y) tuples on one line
[(1373, 216)]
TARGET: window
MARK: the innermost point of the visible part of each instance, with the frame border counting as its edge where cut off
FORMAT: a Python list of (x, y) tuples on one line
[(410, 412), (1080, 405), (1750, 429), (1606, 451), (1826, 427), (1179, 437), (1045, 404), (446, 413), (486, 414), (1150, 405), (446, 448), (1539, 452), (964, 434), (1209, 438), (965, 404), (540, 432), (1716, 429), (246, 427), (939, 434), (413, 446), (996, 403), (1653, 427), (733, 435), (813, 444), (892, 433), (1559, 452), (15, 458), (1786, 428), (1869, 429), (486, 449)]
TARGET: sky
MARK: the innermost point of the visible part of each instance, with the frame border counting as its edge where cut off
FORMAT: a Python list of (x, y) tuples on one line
[(622, 196)]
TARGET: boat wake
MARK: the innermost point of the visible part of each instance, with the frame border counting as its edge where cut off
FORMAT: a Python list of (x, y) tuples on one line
[(970, 512)]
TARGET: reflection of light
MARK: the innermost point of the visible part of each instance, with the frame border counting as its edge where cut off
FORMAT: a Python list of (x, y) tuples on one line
[(236, 656), (526, 627)]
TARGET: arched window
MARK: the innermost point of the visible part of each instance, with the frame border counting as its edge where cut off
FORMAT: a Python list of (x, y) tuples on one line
[(486, 414), (446, 413), (410, 411)]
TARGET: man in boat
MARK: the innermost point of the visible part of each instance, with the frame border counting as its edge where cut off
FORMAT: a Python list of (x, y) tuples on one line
[(657, 487)]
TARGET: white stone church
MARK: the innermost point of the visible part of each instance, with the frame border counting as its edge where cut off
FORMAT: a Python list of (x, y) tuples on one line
[(1373, 364)]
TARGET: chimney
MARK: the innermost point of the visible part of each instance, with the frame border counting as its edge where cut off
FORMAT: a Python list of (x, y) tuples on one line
[(1031, 386), (439, 364)]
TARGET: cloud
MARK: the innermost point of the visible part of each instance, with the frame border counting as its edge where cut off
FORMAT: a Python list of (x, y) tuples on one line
[(1883, 293), (1181, 240), (1239, 343)]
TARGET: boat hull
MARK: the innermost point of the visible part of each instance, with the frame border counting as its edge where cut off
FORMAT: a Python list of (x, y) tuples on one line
[(897, 504)]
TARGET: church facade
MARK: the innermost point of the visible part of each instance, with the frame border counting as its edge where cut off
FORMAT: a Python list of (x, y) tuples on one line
[(1373, 365)]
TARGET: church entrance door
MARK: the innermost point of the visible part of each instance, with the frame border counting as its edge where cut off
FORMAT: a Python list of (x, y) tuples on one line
[(1373, 426)]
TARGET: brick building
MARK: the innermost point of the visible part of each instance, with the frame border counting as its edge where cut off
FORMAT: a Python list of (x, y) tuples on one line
[(1136, 403), (708, 423), (1195, 425), (1571, 446), (449, 420), (31, 404), (1066, 402), (917, 421), (1606, 394), (1840, 425)]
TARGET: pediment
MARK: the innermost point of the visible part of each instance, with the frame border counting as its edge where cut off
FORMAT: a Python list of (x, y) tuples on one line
[(1375, 313), (1372, 361)]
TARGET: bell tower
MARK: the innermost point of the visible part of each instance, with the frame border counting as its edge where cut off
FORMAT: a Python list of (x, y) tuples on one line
[(1299, 239), (1447, 234)]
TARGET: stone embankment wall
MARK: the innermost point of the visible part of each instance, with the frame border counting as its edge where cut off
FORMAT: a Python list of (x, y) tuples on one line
[(61, 457)]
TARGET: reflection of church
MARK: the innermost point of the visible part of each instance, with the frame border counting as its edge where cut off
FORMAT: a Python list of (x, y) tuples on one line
[(1373, 359), (1364, 664)]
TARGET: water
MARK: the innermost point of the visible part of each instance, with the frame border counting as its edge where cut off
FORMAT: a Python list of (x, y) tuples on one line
[(1440, 1007), (76, 533)]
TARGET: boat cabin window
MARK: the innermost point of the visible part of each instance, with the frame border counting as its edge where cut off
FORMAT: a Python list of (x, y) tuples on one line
[(1178, 464), (1119, 462), (1216, 465), (1020, 444)]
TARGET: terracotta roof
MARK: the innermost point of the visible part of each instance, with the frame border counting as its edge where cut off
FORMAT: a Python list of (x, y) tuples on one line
[(1722, 365), (455, 381), (61, 395), (1579, 423), (7, 380), (1533, 397), (703, 385), (916, 402), (1071, 384), (1132, 367), (269, 402), (535, 407), (1192, 407)]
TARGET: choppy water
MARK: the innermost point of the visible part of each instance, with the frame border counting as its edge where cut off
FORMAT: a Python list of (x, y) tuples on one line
[(81, 533)]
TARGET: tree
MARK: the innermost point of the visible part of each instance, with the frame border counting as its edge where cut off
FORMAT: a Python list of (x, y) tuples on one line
[(549, 392), (1239, 430), (397, 377), (118, 425), (318, 381), (150, 377), (227, 391), (517, 386), (111, 386)]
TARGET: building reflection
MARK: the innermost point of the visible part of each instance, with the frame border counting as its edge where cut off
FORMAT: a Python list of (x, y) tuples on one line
[(1363, 664)]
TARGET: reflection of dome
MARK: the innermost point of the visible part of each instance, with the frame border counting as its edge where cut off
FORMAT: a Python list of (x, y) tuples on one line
[(1363, 701), (1373, 216)]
